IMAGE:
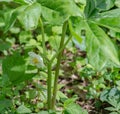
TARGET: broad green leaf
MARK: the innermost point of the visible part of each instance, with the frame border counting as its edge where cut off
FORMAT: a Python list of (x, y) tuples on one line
[(113, 101), (95, 6), (58, 11), (5, 103), (113, 91), (6, 0), (55, 42), (1, 22), (54, 13), (74, 109), (69, 101), (80, 1), (117, 3), (114, 113), (57, 30), (103, 5), (43, 112), (61, 96), (89, 8), (11, 16), (14, 69), (65, 7), (77, 28), (4, 45), (23, 110), (100, 49), (112, 97), (76, 25), (30, 17), (52, 17), (24, 1), (104, 95), (25, 37), (109, 19), (111, 108)]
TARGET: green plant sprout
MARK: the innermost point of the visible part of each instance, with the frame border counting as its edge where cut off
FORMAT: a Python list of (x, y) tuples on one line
[(74, 17)]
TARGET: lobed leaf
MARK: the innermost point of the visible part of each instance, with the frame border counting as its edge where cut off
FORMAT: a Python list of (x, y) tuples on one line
[(74, 109), (23, 110), (13, 68), (76, 25), (109, 19), (11, 16), (5, 103), (56, 12), (103, 5), (100, 49), (24, 1), (30, 17), (95, 6)]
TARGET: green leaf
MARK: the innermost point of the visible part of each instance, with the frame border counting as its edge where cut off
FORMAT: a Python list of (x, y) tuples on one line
[(74, 109), (104, 95), (22, 110), (43, 112), (52, 17), (4, 45), (95, 6), (69, 101), (11, 16), (113, 113), (109, 19), (1, 22), (117, 3), (30, 17), (55, 42), (56, 12), (5, 0), (13, 66), (24, 1), (76, 25), (14, 69), (25, 37), (77, 28), (89, 8), (111, 108), (100, 49), (61, 96), (5, 103), (111, 96), (103, 5)]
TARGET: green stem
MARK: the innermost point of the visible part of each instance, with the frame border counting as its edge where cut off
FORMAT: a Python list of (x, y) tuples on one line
[(49, 80), (43, 37), (49, 70), (49, 67), (58, 65)]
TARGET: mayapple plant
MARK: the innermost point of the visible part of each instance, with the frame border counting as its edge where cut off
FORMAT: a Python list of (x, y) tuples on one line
[(75, 17)]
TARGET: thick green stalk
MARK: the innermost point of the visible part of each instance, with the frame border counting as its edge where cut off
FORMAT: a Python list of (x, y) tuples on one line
[(58, 65), (49, 80), (43, 37)]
